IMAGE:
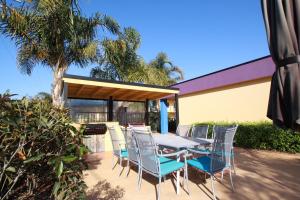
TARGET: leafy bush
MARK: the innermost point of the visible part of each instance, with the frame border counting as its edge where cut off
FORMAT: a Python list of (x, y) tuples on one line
[(154, 121), (41, 152), (263, 135)]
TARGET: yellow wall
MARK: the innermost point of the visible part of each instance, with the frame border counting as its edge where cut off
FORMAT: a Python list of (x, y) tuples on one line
[(240, 102)]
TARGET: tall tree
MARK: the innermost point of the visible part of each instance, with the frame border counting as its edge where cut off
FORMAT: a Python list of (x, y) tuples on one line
[(121, 62), (163, 64), (53, 33), (120, 57)]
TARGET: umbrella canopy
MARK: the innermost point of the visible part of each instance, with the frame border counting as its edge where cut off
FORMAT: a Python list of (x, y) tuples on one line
[(282, 21)]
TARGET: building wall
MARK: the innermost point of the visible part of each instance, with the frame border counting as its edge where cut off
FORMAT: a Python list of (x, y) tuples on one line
[(246, 101)]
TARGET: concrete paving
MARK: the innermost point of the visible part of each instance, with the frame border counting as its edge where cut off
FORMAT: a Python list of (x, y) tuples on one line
[(259, 175)]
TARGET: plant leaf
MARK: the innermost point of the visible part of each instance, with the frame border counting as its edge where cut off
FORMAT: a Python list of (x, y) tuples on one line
[(34, 158), (10, 169), (56, 188), (59, 168), (69, 159)]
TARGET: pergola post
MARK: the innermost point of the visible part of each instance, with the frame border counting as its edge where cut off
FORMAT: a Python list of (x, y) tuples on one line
[(177, 110), (110, 113), (163, 116), (147, 112)]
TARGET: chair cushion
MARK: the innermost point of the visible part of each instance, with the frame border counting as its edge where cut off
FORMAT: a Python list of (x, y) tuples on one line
[(203, 163), (170, 166), (164, 159), (124, 153)]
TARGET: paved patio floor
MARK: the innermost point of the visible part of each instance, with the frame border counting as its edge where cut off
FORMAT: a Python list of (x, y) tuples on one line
[(259, 175)]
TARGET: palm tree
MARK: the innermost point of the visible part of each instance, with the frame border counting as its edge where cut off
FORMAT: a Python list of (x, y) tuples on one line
[(120, 57), (53, 33), (162, 63)]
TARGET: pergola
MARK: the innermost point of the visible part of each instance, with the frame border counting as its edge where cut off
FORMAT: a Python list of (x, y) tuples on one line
[(80, 87)]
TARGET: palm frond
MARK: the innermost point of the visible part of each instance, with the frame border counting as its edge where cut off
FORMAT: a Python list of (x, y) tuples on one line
[(109, 23), (177, 72)]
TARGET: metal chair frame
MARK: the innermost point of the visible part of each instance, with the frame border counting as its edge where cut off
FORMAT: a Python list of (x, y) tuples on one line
[(221, 154), (156, 171)]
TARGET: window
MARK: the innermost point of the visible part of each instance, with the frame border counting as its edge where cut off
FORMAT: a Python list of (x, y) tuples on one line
[(86, 111)]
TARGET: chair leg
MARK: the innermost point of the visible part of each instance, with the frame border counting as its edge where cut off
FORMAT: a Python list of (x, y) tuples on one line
[(231, 180), (222, 176), (177, 181), (141, 178), (187, 179), (232, 161), (212, 186), (120, 166), (128, 167), (158, 190)]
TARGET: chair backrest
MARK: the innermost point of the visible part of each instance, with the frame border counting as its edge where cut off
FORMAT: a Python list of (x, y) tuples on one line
[(132, 148), (140, 128), (199, 131), (183, 130), (116, 140), (148, 152), (222, 146)]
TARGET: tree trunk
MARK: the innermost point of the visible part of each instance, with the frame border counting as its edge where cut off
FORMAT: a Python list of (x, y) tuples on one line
[(57, 87)]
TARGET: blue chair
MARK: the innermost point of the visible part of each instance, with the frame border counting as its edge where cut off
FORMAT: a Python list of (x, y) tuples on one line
[(158, 165), (119, 147), (219, 158)]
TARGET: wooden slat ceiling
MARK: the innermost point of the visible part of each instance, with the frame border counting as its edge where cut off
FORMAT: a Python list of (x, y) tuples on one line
[(77, 89)]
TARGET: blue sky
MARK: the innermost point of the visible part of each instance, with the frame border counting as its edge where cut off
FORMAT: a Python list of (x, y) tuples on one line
[(200, 36)]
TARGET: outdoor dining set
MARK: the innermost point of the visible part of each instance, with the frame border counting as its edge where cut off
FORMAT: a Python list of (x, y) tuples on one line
[(164, 154)]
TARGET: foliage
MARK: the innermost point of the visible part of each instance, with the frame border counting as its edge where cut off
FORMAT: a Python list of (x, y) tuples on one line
[(44, 96), (163, 64), (53, 33), (121, 62), (263, 135), (154, 121), (41, 152), (120, 56)]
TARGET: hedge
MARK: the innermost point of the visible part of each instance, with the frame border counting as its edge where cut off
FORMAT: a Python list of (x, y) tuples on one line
[(263, 135)]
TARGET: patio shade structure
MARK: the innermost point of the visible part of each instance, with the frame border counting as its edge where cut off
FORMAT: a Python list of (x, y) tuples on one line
[(80, 87), (282, 22)]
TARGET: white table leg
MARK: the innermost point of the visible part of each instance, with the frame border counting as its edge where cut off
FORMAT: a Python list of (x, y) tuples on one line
[(177, 181)]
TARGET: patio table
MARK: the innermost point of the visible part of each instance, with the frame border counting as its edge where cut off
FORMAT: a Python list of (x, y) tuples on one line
[(174, 141)]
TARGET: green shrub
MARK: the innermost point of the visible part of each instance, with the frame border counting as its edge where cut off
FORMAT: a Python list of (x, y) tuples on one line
[(263, 135), (40, 152), (154, 121)]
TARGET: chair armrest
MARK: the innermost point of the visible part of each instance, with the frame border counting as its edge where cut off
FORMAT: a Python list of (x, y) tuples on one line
[(178, 153)]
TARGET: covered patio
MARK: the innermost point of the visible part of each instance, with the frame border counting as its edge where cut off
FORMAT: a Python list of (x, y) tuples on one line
[(86, 88)]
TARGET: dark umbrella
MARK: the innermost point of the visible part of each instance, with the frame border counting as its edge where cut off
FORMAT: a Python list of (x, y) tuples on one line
[(282, 21)]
